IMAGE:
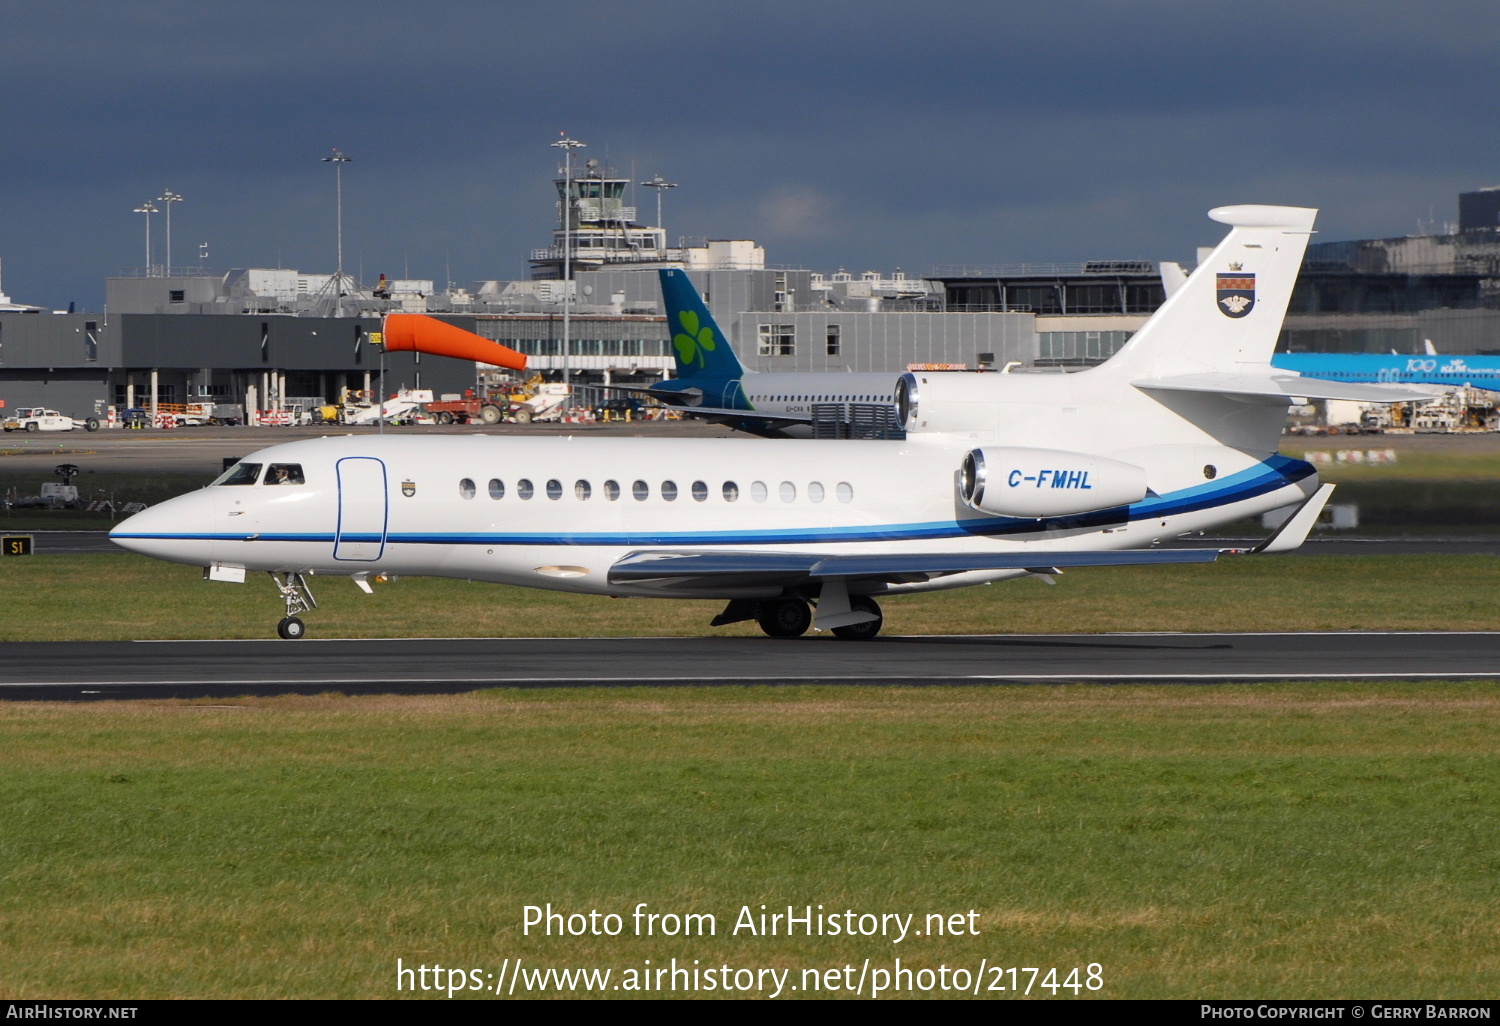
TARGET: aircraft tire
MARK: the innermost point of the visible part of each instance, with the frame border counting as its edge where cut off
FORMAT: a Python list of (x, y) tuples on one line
[(489, 414), (784, 617), (861, 631), (291, 628)]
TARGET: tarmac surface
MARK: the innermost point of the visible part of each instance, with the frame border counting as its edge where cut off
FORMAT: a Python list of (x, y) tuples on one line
[(203, 450), (103, 670)]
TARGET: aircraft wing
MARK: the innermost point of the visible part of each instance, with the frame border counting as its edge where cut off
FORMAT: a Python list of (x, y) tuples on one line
[(674, 401), (751, 569), (1286, 386)]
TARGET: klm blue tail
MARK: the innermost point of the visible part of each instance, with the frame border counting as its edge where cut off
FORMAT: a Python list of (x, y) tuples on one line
[(701, 349)]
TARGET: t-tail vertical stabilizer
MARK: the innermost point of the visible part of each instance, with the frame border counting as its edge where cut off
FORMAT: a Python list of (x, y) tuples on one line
[(1226, 318), (701, 349)]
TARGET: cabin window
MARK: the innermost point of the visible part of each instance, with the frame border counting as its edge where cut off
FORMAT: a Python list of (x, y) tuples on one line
[(669, 490), (845, 491), (611, 490), (466, 488), (284, 473), (700, 491), (497, 488), (641, 490), (554, 489), (524, 488), (240, 474), (731, 491), (815, 492), (788, 492), (758, 491), (581, 490)]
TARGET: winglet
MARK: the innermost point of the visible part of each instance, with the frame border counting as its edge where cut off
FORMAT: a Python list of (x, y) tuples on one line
[(1293, 533)]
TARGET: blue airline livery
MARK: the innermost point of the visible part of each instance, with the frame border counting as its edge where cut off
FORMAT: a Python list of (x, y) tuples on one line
[(1425, 369)]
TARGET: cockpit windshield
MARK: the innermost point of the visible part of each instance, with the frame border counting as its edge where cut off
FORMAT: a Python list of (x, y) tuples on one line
[(240, 474)]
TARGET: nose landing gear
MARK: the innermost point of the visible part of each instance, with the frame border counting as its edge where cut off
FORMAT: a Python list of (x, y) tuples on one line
[(299, 599)]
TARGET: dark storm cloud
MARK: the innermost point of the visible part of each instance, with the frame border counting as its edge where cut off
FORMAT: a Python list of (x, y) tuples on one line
[(862, 134)]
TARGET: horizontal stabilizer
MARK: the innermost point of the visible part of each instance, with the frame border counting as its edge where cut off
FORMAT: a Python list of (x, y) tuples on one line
[(1274, 384), (674, 401)]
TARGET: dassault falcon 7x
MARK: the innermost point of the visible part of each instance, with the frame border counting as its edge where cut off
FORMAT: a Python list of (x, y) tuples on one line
[(1000, 476)]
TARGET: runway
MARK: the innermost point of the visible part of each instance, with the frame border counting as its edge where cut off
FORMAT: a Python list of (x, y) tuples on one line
[(93, 671)]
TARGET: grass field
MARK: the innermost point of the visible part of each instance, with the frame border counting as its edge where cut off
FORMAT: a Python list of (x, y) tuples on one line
[(1283, 840), (108, 596), (1270, 841)]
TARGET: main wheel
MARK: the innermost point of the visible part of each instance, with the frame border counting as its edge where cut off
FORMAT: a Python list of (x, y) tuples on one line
[(784, 617), (291, 628), (861, 631), (489, 414)]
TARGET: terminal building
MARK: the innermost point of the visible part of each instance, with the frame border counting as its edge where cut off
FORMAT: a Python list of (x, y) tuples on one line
[(257, 335)]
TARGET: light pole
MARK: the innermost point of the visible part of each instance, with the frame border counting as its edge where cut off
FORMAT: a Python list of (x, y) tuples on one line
[(338, 160), (659, 184), (567, 146), (169, 197), (148, 208)]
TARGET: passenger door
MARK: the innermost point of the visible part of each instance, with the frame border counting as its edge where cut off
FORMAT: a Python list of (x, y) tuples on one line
[(363, 509)]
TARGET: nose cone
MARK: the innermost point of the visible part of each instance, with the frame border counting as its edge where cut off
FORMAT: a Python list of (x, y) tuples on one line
[(180, 530)]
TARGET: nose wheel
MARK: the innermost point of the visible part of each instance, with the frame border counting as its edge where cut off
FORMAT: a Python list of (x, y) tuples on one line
[(299, 599)]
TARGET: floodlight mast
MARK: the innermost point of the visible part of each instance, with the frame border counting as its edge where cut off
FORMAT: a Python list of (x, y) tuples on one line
[(148, 208), (169, 197), (659, 184), (567, 146), (338, 160)]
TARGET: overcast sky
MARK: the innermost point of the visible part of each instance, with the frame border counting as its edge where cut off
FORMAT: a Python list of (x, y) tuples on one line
[(868, 135)]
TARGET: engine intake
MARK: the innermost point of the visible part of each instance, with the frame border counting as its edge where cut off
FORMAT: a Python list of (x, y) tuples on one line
[(1037, 483)]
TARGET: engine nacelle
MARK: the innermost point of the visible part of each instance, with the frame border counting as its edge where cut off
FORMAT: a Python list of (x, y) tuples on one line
[(1037, 483)]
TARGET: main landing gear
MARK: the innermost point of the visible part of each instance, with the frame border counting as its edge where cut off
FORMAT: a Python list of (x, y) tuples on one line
[(299, 599), (790, 616)]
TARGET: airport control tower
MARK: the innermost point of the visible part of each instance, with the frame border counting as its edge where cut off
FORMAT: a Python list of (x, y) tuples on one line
[(602, 230)]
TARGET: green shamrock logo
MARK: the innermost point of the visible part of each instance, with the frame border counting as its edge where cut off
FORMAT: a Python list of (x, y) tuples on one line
[(693, 341)]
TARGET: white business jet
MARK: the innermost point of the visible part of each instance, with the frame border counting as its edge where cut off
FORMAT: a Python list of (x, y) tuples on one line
[(1001, 476)]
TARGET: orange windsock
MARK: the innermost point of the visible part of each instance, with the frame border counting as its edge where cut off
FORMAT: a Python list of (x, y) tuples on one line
[(429, 335)]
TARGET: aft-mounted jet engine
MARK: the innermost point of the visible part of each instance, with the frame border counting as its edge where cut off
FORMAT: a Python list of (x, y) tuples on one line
[(1036, 483)]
